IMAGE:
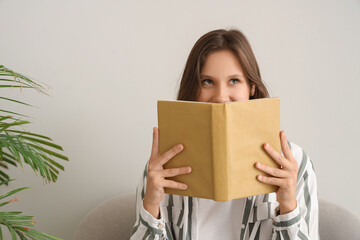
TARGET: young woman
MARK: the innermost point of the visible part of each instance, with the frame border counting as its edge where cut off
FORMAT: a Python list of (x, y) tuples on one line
[(222, 68)]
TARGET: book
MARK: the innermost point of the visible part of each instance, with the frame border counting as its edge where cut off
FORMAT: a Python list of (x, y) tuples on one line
[(222, 142)]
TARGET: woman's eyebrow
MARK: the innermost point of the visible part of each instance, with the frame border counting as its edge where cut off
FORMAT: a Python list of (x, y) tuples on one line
[(231, 76), (235, 75)]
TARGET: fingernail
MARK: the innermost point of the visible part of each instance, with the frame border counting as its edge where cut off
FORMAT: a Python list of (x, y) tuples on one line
[(259, 177), (180, 146), (184, 186)]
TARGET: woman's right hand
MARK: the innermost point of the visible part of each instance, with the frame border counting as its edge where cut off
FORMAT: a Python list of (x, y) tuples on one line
[(156, 175)]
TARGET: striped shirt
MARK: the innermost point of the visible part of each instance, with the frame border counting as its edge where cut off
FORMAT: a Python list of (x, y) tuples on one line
[(259, 219)]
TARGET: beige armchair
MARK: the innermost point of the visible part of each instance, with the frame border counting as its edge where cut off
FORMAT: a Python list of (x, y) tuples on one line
[(113, 219)]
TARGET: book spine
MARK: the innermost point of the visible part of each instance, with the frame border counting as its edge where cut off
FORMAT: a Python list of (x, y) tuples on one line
[(219, 152)]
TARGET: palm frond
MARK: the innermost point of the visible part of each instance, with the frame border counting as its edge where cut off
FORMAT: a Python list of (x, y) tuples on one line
[(20, 225), (19, 80), (23, 146), (18, 146), (30, 151)]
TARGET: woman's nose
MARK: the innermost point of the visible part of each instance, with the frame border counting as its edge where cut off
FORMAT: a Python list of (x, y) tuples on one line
[(221, 95)]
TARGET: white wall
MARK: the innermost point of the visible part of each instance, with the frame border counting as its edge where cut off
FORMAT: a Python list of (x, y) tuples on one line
[(109, 61)]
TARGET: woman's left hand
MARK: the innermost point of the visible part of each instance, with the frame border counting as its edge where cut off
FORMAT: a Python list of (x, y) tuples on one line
[(285, 177)]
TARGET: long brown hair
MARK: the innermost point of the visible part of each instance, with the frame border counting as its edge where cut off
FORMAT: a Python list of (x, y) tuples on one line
[(218, 40)]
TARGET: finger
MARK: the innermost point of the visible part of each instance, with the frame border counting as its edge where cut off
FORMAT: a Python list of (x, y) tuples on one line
[(276, 172), (175, 171), (271, 180), (171, 153), (155, 143), (285, 146), (280, 159), (174, 184)]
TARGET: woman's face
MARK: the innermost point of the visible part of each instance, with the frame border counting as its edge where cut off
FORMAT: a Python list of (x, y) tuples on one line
[(222, 79)]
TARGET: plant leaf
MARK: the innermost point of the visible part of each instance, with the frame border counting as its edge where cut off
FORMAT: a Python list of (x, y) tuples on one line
[(4, 175), (5, 159), (50, 152), (13, 192), (12, 100), (43, 142), (29, 133), (13, 234), (1, 110)]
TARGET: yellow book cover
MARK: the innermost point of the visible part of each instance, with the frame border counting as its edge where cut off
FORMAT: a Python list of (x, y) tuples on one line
[(222, 142)]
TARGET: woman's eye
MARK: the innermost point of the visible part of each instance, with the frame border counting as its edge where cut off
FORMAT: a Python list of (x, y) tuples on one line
[(237, 80), (209, 81), (205, 80)]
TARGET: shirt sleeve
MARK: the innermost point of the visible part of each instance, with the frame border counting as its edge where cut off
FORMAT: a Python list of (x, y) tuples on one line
[(146, 226), (302, 222)]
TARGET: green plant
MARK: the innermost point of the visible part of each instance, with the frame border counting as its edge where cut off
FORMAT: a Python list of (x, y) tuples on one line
[(18, 146)]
